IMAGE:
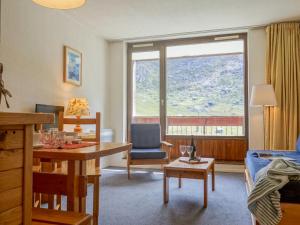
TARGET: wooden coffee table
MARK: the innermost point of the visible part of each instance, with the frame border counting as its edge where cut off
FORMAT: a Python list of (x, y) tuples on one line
[(192, 171)]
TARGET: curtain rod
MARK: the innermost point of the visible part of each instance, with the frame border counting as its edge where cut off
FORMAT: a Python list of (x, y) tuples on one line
[(166, 36)]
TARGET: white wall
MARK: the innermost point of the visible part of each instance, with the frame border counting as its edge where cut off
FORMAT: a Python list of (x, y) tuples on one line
[(31, 49), (256, 75), (118, 95), (117, 92)]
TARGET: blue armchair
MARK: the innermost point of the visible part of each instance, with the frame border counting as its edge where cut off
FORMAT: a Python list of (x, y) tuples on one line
[(147, 147)]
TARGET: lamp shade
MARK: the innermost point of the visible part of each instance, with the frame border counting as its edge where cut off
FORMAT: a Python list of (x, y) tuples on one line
[(78, 107), (263, 95), (60, 4)]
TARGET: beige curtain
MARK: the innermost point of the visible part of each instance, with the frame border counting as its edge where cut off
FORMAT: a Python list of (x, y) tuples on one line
[(283, 72)]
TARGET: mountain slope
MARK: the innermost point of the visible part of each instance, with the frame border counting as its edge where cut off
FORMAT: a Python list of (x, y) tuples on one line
[(202, 85)]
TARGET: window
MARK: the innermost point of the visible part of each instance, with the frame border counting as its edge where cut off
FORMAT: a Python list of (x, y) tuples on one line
[(205, 89), (191, 86), (145, 87)]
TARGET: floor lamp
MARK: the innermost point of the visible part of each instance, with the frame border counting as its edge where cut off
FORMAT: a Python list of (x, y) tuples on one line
[(263, 95)]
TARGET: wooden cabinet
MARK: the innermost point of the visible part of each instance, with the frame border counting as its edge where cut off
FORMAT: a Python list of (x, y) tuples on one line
[(16, 130)]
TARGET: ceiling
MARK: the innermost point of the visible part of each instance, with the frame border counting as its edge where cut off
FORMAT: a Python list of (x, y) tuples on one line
[(131, 19)]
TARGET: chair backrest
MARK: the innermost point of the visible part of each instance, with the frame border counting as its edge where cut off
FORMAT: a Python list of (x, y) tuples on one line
[(145, 136), (42, 108), (96, 121)]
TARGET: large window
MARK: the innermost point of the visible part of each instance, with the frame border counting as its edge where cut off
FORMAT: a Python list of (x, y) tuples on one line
[(192, 87)]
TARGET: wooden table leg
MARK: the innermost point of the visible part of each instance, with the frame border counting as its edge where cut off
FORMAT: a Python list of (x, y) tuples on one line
[(213, 176), (50, 201), (47, 166), (128, 162), (82, 201), (205, 189), (96, 200), (166, 188), (179, 182), (75, 169), (128, 166), (72, 181)]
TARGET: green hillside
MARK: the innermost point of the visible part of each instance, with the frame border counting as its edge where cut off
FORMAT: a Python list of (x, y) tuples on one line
[(205, 86)]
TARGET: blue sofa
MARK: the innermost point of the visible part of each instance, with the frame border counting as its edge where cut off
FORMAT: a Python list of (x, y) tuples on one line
[(291, 191)]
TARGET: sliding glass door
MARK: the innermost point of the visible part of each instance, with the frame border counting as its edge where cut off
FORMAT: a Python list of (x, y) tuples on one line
[(194, 86)]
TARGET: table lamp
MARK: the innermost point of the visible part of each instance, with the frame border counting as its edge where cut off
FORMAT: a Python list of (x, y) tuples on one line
[(263, 95), (78, 107)]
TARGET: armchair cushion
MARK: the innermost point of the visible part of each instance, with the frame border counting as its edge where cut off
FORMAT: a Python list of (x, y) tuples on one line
[(150, 153), (145, 136)]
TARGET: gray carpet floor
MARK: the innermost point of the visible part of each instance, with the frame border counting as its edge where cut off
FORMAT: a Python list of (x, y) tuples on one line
[(139, 201)]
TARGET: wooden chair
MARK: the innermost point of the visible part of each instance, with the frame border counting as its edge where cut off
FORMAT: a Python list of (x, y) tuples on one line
[(45, 165), (147, 147), (93, 166), (88, 121), (56, 184)]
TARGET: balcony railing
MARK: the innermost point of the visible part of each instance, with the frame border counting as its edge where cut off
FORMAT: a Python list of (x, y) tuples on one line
[(203, 125)]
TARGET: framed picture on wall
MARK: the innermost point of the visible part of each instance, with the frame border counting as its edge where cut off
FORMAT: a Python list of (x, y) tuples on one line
[(72, 66)]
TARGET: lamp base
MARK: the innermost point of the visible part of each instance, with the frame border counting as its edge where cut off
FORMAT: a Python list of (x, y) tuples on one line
[(78, 129)]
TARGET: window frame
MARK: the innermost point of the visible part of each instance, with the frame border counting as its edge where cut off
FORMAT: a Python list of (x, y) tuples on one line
[(161, 46)]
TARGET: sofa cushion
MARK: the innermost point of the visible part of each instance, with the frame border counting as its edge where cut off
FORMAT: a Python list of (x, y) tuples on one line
[(151, 153), (298, 145), (145, 135)]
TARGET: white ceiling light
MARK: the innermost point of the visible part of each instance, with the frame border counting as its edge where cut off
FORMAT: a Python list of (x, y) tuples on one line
[(60, 4)]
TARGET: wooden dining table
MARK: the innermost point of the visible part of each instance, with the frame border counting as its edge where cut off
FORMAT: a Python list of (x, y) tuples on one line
[(77, 163)]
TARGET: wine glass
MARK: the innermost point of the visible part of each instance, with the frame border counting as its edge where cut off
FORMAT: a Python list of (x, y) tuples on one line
[(60, 139), (189, 150), (45, 139), (182, 149)]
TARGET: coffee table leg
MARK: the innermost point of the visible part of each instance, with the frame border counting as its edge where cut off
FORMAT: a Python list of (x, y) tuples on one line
[(205, 189), (166, 189), (213, 176), (179, 182)]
